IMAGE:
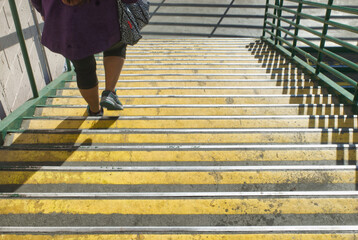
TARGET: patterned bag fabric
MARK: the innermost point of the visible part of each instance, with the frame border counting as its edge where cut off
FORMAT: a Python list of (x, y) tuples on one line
[(132, 18)]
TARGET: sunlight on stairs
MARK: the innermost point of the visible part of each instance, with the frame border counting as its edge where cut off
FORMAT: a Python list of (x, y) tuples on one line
[(220, 139)]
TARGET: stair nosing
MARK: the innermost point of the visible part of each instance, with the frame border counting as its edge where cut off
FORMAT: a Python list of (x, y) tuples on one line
[(183, 229), (261, 168)]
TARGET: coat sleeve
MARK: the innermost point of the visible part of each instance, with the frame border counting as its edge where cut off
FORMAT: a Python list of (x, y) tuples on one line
[(38, 5)]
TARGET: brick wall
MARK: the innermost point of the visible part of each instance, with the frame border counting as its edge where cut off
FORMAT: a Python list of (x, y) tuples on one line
[(14, 83)]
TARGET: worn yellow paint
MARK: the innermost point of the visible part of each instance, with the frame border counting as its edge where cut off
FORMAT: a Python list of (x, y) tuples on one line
[(177, 156), (190, 65), (194, 123), (248, 110), (211, 46), (137, 178), (259, 70), (189, 47), (203, 111), (203, 53), (210, 57), (285, 99), (203, 60), (181, 206), (202, 138), (207, 84), (333, 236), (207, 91), (200, 47), (204, 76), (159, 41)]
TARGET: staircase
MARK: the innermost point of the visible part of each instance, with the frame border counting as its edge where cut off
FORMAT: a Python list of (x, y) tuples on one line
[(219, 139)]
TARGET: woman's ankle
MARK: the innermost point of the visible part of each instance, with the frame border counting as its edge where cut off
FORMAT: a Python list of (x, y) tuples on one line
[(96, 109)]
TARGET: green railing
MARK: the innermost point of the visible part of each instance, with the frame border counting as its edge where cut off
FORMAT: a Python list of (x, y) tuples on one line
[(14, 120), (24, 51), (25, 54), (298, 38)]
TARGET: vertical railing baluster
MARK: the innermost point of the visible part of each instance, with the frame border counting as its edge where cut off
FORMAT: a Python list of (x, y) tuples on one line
[(279, 14), (355, 100), (274, 19), (298, 21), (25, 54), (265, 18), (68, 65), (323, 38)]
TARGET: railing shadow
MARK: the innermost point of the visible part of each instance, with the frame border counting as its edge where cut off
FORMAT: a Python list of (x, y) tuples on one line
[(27, 169), (331, 119)]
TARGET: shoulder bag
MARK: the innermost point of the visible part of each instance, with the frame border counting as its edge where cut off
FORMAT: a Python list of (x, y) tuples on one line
[(132, 18)]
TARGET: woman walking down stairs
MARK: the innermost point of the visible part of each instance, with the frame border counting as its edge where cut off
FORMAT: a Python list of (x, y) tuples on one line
[(219, 139)]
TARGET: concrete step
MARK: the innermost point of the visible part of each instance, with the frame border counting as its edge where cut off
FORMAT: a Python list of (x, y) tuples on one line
[(234, 154), (229, 110), (213, 99), (200, 47), (203, 60), (202, 83), (161, 179), (165, 122), (125, 91), (169, 71), (212, 56), (219, 139), (338, 232), (204, 65), (213, 76), (225, 109), (166, 210), (184, 136)]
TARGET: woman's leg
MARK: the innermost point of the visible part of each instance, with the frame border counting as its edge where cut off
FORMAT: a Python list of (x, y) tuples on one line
[(112, 67), (113, 60), (87, 81), (92, 98)]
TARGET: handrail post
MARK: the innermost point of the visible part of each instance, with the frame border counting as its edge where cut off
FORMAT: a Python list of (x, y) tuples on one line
[(265, 19), (279, 14), (68, 65), (323, 38), (355, 100), (274, 19), (298, 21), (25, 54)]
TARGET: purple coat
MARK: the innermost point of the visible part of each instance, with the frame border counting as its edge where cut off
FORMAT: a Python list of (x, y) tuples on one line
[(80, 31)]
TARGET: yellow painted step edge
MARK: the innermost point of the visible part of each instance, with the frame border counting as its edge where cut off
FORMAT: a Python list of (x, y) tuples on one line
[(181, 206), (140, 178), (202, 138), (268, 236), (301, 155)]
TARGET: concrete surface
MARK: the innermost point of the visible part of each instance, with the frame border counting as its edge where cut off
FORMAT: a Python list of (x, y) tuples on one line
[(170, 19)]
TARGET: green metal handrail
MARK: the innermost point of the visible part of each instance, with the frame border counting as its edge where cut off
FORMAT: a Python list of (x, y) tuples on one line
[(272, 34), (24, 51), (25, 54), (14, 120)]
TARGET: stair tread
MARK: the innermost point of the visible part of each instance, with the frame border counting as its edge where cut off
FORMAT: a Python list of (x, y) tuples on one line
[(215, 142)]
